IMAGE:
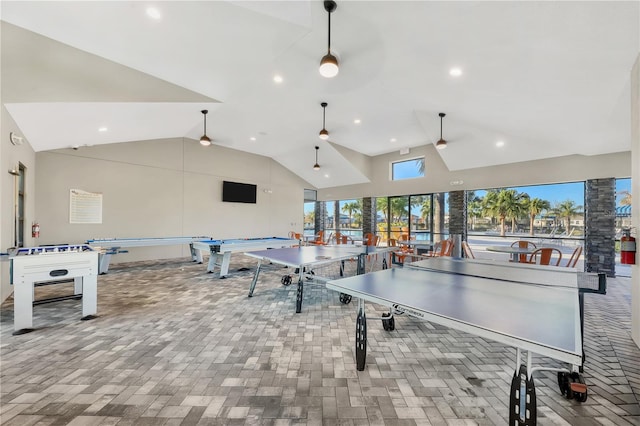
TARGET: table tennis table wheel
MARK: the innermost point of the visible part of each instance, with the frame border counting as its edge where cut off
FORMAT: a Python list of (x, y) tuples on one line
[(286, 280), (572, 386), (345, 298), (563, 383), (388, 322)]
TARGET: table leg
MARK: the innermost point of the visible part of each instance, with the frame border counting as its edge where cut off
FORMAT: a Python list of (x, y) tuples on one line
[(104, 259), (255, 278), (89, 296), (360, 269), (299, 293), (22, 307), (196, 255), (224, 266), (361, 337)]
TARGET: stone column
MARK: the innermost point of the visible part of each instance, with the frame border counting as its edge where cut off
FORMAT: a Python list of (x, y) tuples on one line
[(600, 232), (458, 220), (320, 214), (369, 224)]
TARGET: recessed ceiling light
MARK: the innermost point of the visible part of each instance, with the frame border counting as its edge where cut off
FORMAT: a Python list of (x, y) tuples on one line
[(500, 144), (153, 13), (326, 175), (455, 72), (252, 138), (393, 140), (278, 78), (356, 121), (102, 129)]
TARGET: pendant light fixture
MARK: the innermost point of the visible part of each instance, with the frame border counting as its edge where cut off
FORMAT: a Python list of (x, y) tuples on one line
[(441, 144), (316, 166), (324, 134), (329, 63), (204, 139)]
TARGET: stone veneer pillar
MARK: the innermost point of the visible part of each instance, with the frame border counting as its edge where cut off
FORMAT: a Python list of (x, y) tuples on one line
[(320, 216), (600, 232), (369, 224), (458, 219)]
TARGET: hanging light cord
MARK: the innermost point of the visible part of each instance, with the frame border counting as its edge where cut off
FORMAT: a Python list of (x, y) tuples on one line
[(329, 35), (205, 124), (323, 111), (440, 127)]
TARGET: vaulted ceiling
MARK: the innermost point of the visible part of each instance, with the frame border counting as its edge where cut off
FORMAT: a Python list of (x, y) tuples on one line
[(546, 78)]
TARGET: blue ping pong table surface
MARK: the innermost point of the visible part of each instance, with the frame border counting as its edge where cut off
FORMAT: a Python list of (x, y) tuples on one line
[(540, 317)]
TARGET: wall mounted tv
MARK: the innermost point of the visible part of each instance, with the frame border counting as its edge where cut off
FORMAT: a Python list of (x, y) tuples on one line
[(234, 192)]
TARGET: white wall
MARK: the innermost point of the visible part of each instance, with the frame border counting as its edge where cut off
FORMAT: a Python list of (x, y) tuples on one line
[(635, 190), (439, 179), (10, 156), (163, 188)]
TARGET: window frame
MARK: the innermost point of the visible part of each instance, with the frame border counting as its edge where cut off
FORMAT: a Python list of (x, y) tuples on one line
[(393, 163)]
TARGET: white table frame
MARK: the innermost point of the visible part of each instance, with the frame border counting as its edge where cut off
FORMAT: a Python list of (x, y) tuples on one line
[(81, 266)]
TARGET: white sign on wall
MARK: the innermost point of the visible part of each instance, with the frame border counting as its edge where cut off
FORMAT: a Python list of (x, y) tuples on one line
[(85, 207)]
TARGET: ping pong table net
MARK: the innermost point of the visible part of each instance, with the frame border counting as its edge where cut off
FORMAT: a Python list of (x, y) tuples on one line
[(587, 282)]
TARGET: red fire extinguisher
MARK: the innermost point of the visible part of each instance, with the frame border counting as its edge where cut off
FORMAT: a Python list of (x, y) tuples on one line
[(35, 230), (627, 248)]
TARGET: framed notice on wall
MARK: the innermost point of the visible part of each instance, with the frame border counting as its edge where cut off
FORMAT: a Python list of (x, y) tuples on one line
[(85, 207)]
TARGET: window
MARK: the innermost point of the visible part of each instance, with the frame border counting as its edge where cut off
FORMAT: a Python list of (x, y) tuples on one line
[(407, 169), (551, 211), (19, 213), (623, 206)]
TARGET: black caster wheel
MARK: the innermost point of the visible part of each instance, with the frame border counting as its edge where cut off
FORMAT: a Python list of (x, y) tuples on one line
[(286, 280), (388, 322), (563, 382), (345, 298)]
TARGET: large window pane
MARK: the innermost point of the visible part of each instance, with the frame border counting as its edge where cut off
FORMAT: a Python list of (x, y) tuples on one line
[(549, 211), (421, 217), (351, 218), (309, 218)]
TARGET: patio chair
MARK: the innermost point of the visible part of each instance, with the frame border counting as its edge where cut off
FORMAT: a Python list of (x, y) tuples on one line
[(543, 256), (467, 250), (574, 257), (523, 244)]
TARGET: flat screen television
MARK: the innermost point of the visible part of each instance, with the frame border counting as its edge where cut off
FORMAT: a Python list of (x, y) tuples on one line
[(234, 192)]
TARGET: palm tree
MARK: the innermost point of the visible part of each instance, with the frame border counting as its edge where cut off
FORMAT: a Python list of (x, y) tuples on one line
[(399, 208), (474, 208), (310, 217), (425, 209), (566, 210), (503, 203), (383, 206), (350, 207), (535, 206), (626, 199)]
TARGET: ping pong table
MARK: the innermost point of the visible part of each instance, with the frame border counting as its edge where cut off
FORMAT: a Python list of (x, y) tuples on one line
[(533, 308), (111, 246), (308, 259), (220, 250)]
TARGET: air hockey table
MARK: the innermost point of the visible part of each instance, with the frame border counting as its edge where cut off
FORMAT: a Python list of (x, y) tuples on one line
[(220, 250), (110, 246), (47, 264)]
